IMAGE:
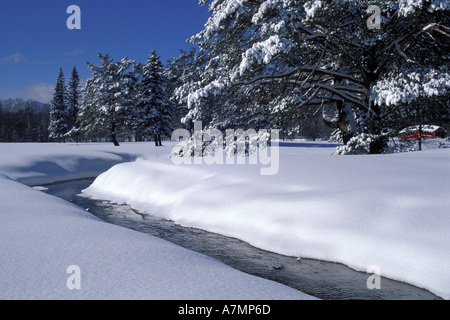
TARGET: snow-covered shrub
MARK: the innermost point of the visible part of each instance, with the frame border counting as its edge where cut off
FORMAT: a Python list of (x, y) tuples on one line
[(336, 136), (444, 143), (247, 143), (235, 142), (361, 144), (357, 145), (396, 145)]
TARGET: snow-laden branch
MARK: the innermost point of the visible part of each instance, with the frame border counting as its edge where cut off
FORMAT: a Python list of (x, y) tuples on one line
[(263, 52), (215, 87), (357, 101), (223, 10), (297, 71), (407, 7), (411, 86)]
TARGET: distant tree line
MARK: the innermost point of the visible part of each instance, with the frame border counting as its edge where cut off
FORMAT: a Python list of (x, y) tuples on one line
[(122, 100), (24, 121)]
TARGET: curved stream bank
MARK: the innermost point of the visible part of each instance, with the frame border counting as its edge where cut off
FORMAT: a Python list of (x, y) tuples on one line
[(321, 279)]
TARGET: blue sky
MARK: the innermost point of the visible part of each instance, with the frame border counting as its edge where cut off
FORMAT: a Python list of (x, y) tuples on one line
[(35, 41)]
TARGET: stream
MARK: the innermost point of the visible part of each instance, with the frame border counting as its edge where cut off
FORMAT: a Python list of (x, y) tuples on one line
[(324, 280)]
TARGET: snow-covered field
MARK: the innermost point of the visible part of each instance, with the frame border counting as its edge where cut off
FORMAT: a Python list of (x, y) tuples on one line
[(388, 211), (48, 245)]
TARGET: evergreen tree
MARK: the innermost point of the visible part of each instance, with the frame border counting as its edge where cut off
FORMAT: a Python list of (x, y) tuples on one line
[(154, 108), (320, 53), (183, 76), (108, 97), (177, 73), (58, 112), (131, 117), (73, 97)]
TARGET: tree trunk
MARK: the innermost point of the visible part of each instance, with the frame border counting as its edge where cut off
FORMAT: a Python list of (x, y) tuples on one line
[(420, 137), (343, 115), (157, 138), (379, 145), (113, 135), (342, 121)]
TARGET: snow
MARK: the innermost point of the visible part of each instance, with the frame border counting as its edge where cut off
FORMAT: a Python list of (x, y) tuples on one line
[(412, 85), (407, 7), (387, 211), (312, 7), (263, 52), (42, 238)]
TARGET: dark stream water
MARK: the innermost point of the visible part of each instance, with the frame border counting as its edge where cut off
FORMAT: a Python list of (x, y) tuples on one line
[(325, 280)]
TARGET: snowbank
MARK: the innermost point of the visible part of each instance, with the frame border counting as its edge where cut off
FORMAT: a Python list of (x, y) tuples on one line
[(42, 236), (389, 211), (33, 163)]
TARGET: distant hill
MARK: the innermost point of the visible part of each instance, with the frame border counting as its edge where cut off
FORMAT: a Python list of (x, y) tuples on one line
[(24, 120), (18, 104)]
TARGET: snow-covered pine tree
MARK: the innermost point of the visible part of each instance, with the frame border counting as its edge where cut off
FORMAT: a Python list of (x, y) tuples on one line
[(185, 74), (108, 96), (154, 109), (178, 74), (131, 114), (58, 111), (73, 100), (322, 53), (228, 108)]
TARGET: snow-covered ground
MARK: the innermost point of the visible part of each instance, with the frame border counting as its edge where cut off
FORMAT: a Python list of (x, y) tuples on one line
[(48, 246), (388, 211)]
